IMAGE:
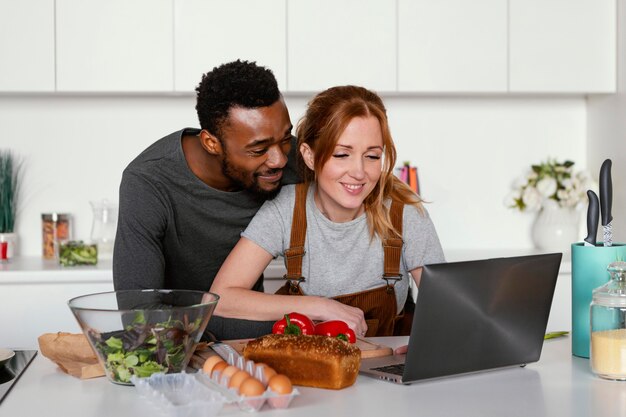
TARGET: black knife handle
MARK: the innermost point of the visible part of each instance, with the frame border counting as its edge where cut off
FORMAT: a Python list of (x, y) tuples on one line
[(606, 192), (592, 217)]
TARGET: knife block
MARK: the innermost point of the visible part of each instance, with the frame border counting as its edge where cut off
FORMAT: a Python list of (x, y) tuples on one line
[(589, 271)]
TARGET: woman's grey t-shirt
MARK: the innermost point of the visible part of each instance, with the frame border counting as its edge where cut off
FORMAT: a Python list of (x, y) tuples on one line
[(340, 257)]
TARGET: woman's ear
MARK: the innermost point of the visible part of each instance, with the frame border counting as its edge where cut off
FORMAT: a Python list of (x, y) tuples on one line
[(210, 143), (308, 156)]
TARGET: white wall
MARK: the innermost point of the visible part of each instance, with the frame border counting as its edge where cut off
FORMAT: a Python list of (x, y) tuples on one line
[(468, 151), (606, 134)]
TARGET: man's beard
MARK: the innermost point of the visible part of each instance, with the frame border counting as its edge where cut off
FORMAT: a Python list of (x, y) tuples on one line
[(240, 180)]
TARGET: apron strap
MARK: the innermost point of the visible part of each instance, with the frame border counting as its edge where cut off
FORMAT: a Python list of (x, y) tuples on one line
[(392, 247), (295, 253)]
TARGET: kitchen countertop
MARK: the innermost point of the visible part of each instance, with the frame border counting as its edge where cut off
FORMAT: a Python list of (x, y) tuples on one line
[(30, 266), (558, 385)]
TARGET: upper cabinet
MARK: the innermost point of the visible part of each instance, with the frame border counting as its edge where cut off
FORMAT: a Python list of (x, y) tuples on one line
[(405, 46), (114, 45), (341, 42), (562, 46), (452, 45), (27, 45), (208, 33)]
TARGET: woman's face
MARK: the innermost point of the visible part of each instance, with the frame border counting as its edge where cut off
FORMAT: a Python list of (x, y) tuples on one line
[(352, 171)]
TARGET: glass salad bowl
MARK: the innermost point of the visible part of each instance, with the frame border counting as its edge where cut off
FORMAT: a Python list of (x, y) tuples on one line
[(142, 332)]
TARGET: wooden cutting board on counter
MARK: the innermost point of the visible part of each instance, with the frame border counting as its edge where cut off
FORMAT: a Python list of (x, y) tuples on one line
[(368, 350)]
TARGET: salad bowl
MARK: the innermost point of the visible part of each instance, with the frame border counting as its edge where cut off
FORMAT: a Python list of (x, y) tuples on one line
[(142, 332)]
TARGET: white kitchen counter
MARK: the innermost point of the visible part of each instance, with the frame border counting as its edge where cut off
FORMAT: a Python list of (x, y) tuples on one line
[(557, 385)]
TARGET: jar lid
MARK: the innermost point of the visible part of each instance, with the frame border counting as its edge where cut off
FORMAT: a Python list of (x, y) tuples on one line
[(613, 293), (55, 217)]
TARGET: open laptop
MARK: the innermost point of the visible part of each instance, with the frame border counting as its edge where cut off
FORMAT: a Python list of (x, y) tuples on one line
[(475, 316)]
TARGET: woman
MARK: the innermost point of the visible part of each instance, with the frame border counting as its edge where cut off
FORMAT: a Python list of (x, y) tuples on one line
[(332, 228)]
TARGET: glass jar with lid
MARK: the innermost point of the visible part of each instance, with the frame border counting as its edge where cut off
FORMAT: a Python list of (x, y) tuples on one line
[(55, 228), (608, 326)]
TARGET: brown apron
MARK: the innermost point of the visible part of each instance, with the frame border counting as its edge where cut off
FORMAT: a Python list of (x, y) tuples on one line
[(378, 304)]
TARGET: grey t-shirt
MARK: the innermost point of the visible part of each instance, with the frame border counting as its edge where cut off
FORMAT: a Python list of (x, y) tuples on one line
[(174, 231), (340, 258)]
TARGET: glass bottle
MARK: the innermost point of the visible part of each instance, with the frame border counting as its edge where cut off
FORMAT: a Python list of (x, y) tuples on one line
[(104, 226), (608, 327)]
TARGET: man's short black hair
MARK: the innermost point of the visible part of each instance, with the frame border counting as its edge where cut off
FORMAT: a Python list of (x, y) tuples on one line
[(234, 84)]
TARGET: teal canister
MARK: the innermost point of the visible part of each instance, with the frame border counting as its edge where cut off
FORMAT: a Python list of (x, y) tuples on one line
[(589, 271)]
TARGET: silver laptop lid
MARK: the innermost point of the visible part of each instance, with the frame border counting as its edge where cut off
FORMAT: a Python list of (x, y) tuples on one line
[(479, 315)]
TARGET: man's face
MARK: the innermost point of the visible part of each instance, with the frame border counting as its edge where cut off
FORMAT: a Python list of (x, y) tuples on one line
[(255, 144)]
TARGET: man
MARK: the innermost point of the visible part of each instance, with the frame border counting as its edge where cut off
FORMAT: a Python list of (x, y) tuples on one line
[(185, 200)]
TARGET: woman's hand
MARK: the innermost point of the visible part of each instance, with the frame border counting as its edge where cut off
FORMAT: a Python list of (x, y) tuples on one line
[(334, 310)]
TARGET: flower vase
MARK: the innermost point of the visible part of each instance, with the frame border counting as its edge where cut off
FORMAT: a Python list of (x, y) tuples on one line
[(555, 229)]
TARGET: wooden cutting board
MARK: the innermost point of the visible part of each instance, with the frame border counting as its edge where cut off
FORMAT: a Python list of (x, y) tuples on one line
[(368, 350)]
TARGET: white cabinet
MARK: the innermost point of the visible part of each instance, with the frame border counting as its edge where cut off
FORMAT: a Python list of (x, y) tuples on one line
[(114, 45), (341, 42), (452, 46), (27, 45), (208, 33), (34, 295), (562, 46)]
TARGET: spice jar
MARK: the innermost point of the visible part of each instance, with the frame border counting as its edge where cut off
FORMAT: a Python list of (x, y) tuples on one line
[(608, 327), (55, 227)]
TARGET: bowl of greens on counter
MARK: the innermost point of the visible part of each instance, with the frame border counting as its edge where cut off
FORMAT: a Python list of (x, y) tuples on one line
[(73, 252), (142, 332)]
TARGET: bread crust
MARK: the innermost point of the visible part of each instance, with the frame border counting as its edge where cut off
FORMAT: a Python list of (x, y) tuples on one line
[(310, 361)]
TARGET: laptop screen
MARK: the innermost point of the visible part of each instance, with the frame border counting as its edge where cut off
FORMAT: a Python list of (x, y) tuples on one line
[(478, 315)]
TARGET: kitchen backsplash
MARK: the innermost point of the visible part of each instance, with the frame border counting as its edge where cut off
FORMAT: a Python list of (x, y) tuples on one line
[(468, 151)]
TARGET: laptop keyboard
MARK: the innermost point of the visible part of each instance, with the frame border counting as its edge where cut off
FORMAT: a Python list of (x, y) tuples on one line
[(397, 369)]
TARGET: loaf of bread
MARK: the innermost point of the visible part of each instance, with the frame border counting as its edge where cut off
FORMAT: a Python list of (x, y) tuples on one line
[(310, 361)]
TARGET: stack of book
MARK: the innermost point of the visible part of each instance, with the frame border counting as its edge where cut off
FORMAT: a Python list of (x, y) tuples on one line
[(408, 174)]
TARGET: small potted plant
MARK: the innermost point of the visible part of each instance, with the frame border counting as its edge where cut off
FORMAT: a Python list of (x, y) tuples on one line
[(10, 171)]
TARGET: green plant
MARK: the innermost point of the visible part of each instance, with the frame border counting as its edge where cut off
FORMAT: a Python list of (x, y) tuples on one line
[(10, 171)]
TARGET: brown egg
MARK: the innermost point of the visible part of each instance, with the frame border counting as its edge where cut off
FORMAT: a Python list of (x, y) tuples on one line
[(267, 370), (280, 384), (251, 387), (229, 371), (237, 378), (210, 363), (219, 367)]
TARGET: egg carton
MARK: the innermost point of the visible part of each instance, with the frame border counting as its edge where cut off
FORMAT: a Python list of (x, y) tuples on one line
[(219, 383), (180, 395)]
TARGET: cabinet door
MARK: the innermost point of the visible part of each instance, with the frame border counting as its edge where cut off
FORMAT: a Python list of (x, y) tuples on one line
[(27, 45), (208, 33), (562, 46), (341, 42), (452, 45), (114, 45)]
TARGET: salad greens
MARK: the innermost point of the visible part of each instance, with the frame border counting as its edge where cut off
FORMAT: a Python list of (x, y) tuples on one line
[(77, 253), (143, 349)]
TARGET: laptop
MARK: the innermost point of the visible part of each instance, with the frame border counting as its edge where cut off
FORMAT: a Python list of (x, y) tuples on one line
[(474, 316)]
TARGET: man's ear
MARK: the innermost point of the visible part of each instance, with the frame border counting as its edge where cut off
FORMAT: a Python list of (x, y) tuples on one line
[(210, 143), (308, 156)]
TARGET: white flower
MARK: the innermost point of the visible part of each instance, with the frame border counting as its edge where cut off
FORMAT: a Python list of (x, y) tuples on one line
[(550, 184), (532, 199), (547, 186), (550, 204), (562, 195)]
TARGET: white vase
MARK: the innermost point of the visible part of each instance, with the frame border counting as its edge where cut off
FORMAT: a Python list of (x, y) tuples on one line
[(555, 229), (8, 243)]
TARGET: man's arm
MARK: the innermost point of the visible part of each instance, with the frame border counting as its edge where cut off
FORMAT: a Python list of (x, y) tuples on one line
[(138, 260)]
